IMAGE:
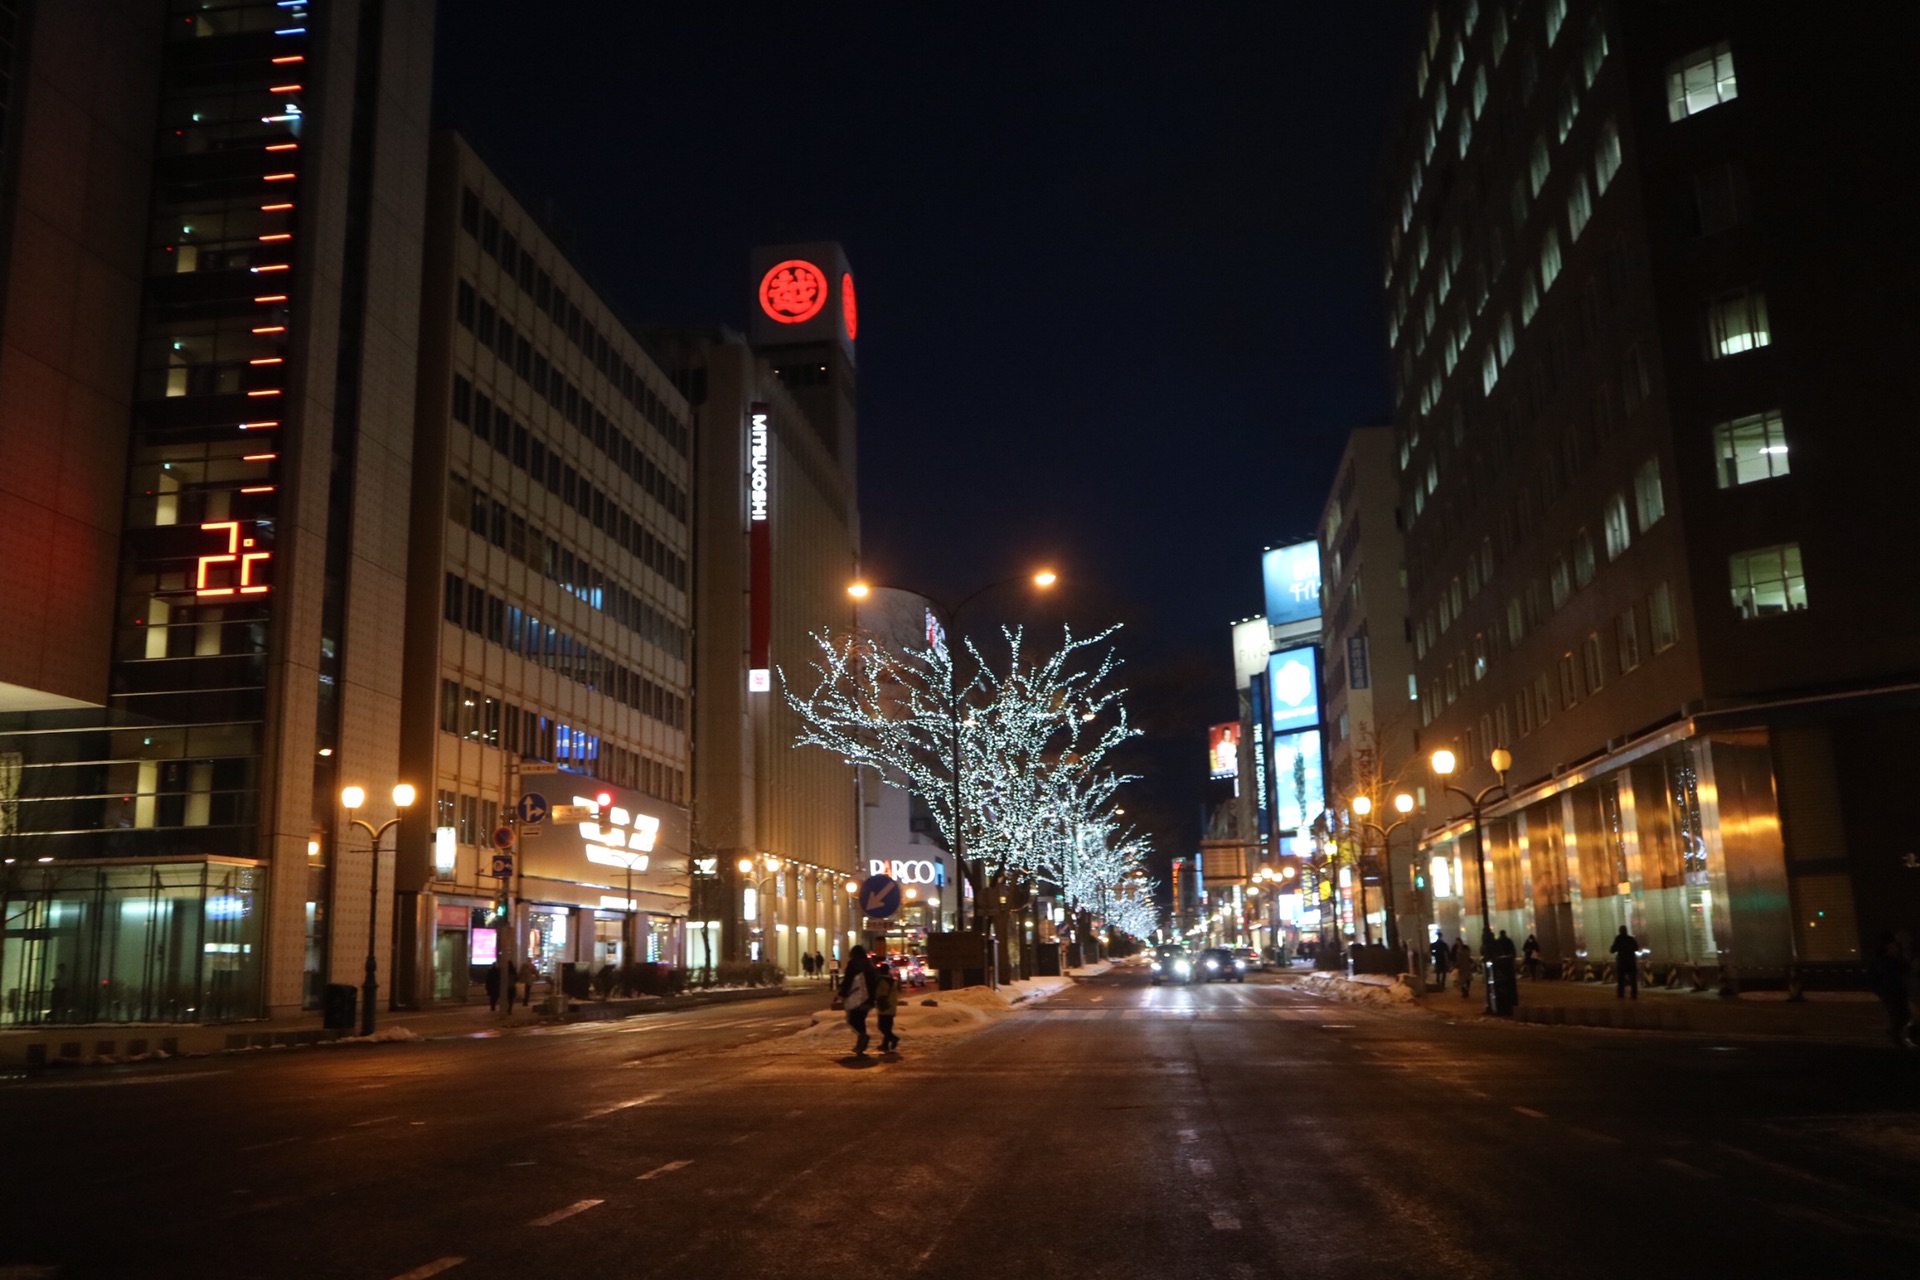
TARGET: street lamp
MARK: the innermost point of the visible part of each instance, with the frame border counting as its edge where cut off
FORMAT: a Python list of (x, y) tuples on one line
[(772, 865), (1362, 806), (353, 798), (1043, 578), (1501, 760)]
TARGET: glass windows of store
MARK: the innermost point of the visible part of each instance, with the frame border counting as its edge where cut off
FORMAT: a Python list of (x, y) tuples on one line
[(547, 939), (145, 942), (608, 929)]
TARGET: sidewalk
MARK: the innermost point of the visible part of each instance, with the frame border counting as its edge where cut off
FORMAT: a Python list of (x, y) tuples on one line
[(1854, 1017), (109, 1043)]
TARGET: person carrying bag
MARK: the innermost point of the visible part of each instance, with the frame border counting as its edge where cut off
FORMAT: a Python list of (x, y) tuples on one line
[(856, 996)]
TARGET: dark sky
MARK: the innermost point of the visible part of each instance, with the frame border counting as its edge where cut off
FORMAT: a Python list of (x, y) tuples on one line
[(1119, 265)]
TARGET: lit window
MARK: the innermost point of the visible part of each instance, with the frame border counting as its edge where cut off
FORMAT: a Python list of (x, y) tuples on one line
[(1516, 622), (1440, 108), (1489, 372), (1619, 532), (1466, 133), (1569, 682), (1583, 564), (1561, 581), (1506, 339), (1479, 91), (1660, 618), (1420, 75), (1499, 34), (1649, 499), (1549, 258), (1569, 108), (1737, 322), (1701, 80), (1595, 52), (1540, 164), (1626, 630), (1529, 298), (1750, 449), (1606, 158), (1456, 59), (1579, 207), (1542, 700), (1593, 664), (1768, 580), (1556, 18)]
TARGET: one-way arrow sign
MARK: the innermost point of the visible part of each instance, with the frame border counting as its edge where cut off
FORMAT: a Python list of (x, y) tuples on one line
[(879, 896)]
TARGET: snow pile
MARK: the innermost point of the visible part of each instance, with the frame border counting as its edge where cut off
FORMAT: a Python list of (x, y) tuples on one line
[(1377, 989), (392, 1035)]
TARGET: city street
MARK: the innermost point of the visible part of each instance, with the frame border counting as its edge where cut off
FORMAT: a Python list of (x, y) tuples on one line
[(1114, 1129)]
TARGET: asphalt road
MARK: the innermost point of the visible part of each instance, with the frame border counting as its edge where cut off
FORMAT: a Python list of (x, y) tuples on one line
[(1115, 1130)]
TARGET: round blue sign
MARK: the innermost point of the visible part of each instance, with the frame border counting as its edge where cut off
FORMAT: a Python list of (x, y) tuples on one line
[(879, 897)]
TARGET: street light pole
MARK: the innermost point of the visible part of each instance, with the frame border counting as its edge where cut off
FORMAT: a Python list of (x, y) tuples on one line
[(1362, 806), (353, 798), (1501, 760)]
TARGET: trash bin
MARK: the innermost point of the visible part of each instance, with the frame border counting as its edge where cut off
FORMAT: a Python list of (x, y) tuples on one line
[(337, 1001), (1502, 989)]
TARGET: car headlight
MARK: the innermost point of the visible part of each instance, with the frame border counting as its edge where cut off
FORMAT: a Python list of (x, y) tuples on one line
[(1239, 964), (1182, 966), (1156, 966), (1213, 964)]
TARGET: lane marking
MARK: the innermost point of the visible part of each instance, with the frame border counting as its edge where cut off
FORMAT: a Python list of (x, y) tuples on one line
[(1529, 1111), (559, 1215), (361, 1124), (1097, 999), (1223, 1221), (433, 1268), (668, 1167), (262, 1146), (1201, 1168), (1189, 1135), (640, 1101)]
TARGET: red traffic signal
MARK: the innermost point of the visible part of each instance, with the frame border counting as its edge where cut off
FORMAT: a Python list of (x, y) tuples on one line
[(604, 799)]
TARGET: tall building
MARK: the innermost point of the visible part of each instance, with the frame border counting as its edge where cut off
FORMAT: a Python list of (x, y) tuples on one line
[(778, 543), (1368, 674), (1642, 276), (549, 622), (206, 423)]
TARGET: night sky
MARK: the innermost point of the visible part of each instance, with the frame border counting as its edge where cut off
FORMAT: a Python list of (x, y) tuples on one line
[(1119, 269)]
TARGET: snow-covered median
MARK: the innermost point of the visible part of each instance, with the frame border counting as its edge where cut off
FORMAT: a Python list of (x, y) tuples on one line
[(1383, 990)]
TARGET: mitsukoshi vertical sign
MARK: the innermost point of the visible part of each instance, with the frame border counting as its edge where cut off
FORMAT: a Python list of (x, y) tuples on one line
[(759, 550)]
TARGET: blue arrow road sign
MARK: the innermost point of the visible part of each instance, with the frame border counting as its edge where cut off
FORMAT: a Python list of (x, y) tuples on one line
[(879, 896), (533, 807)]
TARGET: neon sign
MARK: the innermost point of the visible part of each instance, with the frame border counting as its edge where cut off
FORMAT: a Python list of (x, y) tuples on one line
[(757, 466), (847, 308), (623, 840), (213, 579), (793, 292)]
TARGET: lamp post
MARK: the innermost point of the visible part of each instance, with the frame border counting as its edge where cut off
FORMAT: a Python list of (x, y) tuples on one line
[(1362, 806), (1501, 760), (353, 798), (758, 883), (1043, 579)]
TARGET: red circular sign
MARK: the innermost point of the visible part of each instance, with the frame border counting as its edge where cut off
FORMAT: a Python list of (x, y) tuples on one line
[(847, 309), (793, 291)]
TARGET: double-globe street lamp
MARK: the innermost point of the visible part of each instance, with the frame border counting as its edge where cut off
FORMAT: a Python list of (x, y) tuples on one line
[(1501, 760), (949, 618), (353, 798), (1362, 806), (758, 884)]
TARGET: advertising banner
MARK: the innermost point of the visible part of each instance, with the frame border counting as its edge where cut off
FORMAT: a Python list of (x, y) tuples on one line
[(1299, 784), (1293, 685), (1223, 750), (1262, 795), (1292, 576)]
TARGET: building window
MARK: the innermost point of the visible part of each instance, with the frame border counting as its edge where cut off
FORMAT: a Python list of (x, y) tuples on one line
[(1649, 499), (1719, 198), (1516, 622), (1556, 18), (1582, 558), (1768, 580), (1737, 322), (1569, 108), (1701, 80), (1569, 682), (1479, 92), (1606, 156), (1751, 448), (1561, 581), (1626, 630), (1549, 258), (1592, 663), (1579, 207), (1529, 299), (1661, 624), (1595, 52), (1540, 165), (1618, 530), (1542, 701), (1489, 371), (1499, 37)]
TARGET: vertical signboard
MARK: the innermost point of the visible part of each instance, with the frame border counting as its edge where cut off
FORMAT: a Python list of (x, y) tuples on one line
[(1223, 750), (1262, 799), (759, 550)]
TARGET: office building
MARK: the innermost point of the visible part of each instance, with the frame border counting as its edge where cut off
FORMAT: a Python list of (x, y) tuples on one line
[(207, 383), (1642, 280), (549, 619)]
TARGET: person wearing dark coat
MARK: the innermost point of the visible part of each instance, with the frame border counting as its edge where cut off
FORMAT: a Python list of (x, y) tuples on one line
[(1626, 964), (493, 986), (856, 996), (1888, 972), (1442, 961), (1530, 953)]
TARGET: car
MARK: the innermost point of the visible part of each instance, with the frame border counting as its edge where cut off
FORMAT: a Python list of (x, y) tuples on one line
[(1256, 963), (1217, 964), (1170, 964)]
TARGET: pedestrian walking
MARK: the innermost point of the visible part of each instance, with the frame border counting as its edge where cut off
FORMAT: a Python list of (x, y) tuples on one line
[(856, 996), (1530, 953), (1503, 975), (1442, 961), (1626, 964), (886, 1003), (1463, 965), (806, 963), (529, 973), (1888, 972), (493, 987), (819, 965)]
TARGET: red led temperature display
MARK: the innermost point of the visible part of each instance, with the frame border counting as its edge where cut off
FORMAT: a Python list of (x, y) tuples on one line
[(233, 571)]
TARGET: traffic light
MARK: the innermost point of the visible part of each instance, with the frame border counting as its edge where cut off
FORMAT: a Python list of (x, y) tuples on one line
[(604, 799), (498, 916)]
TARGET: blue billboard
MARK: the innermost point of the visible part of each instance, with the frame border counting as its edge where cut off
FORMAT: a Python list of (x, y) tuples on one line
[(1292, 577), (1293, 689), (1299, 786)]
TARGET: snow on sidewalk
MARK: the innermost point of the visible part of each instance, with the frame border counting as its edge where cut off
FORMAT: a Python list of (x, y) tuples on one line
[(929, 1017)]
